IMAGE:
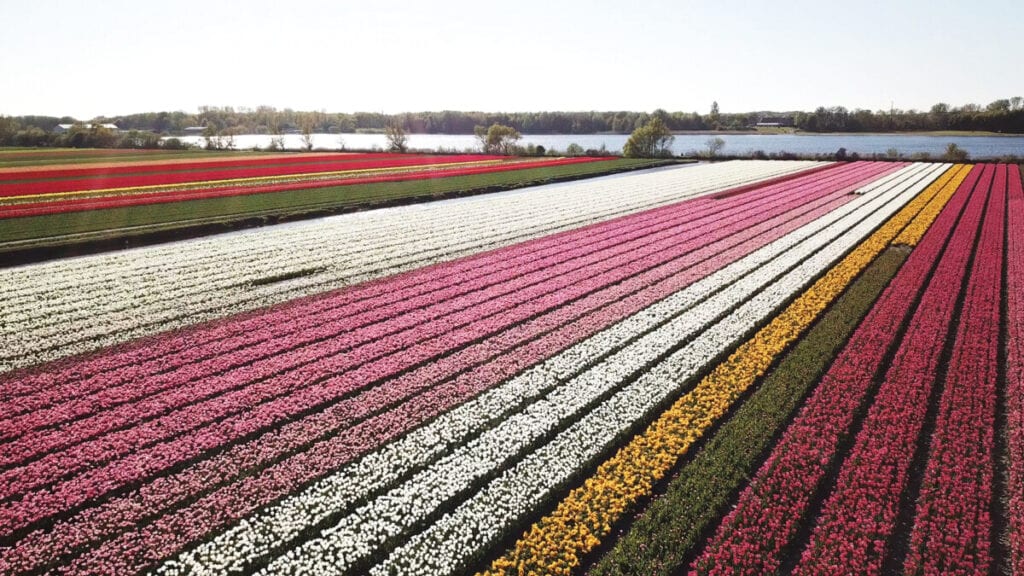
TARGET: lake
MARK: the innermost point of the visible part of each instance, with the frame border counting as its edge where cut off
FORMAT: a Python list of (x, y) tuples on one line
[(740, 144)]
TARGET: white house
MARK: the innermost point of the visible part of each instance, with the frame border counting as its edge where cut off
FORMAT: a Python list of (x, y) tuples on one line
[(62, 128)]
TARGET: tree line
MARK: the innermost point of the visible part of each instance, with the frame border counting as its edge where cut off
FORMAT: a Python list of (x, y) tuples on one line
[(1004, 115)]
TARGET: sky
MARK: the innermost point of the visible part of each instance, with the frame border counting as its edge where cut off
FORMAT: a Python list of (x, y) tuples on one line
[(110, 57)]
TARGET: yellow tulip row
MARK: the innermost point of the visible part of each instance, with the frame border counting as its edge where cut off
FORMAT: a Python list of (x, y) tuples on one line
[(913, 233), (556, 543)]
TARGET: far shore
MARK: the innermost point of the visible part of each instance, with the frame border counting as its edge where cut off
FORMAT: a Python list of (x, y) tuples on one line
[(777, 131)]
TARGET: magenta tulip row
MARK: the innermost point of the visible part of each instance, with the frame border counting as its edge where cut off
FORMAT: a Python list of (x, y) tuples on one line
[(1015, 373), (952, 524), (362, 346), (378, 431), (770, 510)]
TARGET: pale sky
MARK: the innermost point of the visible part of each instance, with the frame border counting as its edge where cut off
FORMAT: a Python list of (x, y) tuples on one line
[(109, 57)]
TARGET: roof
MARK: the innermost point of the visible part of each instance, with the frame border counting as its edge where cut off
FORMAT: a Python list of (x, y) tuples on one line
[(87, 126)]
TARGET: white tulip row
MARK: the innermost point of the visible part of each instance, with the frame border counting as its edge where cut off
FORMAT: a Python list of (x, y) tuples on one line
[(254, 537), (61, 308), (467, 532)]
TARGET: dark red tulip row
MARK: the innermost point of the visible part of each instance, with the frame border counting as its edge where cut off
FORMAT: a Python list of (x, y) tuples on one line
[(321, 458), (254, 170), (859, 516), (1015, 372), (142, 198), (139, 464), (35, 390), (770, 511), (215, 163), (405, 315), (952, 524)]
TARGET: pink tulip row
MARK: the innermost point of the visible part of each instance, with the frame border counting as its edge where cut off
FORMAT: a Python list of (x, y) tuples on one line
[(147, 458), (377, 346), (859, 516), (952, 524), (35, 392), (770, 510), (324, 456), (1015, 372)]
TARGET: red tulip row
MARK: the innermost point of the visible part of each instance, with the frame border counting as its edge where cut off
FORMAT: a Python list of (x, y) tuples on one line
[(143, 199), (1015, 371), (254, 170), (215, 163), (859, 516), (34, 391), (771, 509), (237, 425), (952, 524)]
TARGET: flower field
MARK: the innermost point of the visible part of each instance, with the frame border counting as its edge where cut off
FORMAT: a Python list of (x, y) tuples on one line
[(738, 367), (84, 199)]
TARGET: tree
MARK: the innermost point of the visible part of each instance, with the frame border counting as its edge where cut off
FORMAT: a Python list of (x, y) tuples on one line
[(955, 153), (498, 139), (307, 133), (650, 140), (397, 139), (714, 115), (715, 146), (574, 149)]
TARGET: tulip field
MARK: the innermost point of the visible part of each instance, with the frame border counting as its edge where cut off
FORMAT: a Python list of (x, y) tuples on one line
[(741, 367), (54, 198)]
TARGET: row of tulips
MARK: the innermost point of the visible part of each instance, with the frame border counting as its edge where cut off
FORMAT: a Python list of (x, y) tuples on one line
[(236, 548), (316, 424), (619, 482), (1014, 374), (66, 307), (770, 510), (956, 488), (856, 524), (171, 164), (589, 251), (38, 187), (208, 190)]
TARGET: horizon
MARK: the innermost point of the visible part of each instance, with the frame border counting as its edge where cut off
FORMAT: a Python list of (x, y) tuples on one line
[(575, 56)]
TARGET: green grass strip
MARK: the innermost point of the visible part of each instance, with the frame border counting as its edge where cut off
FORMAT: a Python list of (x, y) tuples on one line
[(52, 229), (662, 537)]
